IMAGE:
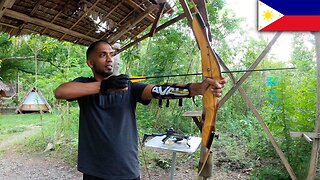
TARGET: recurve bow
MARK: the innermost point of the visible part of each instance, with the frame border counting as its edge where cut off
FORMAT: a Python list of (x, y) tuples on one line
[(210, 69)]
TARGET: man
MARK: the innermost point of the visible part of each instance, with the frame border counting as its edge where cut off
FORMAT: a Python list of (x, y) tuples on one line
[(108, 137)]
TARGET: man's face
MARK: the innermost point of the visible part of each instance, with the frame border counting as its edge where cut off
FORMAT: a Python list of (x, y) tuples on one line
[(101, 61)]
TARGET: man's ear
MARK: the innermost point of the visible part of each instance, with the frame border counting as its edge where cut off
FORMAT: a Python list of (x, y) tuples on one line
[(90, 63)]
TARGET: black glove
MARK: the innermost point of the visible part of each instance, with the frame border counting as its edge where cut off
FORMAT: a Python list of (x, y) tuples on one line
[(114, 82)]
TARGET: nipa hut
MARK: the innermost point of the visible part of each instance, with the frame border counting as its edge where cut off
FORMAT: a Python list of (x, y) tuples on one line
[(4, 89), (33, 101)]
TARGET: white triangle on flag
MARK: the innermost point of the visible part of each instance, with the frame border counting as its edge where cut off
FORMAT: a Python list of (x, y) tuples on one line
[(266, 15)]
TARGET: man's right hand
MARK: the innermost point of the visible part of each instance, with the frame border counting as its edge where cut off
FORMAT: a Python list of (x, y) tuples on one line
[(114, 82)]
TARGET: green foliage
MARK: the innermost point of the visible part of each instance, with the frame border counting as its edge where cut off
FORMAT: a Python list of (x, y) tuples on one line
[(289, 106), (272, 172), (164, 164), (5, 42), (302, 57)]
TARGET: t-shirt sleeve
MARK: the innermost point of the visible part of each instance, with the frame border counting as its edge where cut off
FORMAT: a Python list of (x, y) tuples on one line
[(137, 90), (80, 79)]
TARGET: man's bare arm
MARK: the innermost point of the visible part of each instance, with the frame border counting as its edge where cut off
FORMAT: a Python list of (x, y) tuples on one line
[(73, 90), (195, 88)]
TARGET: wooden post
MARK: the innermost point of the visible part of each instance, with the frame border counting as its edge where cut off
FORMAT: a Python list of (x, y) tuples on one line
[(316, 142)]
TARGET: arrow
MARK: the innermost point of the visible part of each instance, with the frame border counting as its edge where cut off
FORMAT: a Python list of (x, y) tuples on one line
[(141, 78)]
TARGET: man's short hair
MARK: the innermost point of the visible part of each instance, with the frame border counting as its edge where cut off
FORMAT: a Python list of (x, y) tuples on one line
[(93, 46)]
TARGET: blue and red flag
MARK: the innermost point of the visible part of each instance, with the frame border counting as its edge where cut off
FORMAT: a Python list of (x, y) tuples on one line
[(289, 15)]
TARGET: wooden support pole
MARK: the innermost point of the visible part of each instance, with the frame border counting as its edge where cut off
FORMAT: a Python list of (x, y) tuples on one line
[(253, 66), (315, 147), (311, 135), (156, 21)]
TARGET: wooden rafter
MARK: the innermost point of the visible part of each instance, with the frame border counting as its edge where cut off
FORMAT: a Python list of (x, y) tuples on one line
[(163, 26), (106, 34), (137, 6), (56, 16), (131, 24), (4, 4), (156, 21), (99, 9), (106, 16), (83, 16), (119, 11), (43, 23), (35, 8), (52, 21), (9, 25)]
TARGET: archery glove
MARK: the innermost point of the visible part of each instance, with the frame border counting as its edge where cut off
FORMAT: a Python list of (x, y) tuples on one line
[(114, 82)]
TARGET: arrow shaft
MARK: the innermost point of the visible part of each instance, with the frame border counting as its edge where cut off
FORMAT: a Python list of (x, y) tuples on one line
[(195, 74)]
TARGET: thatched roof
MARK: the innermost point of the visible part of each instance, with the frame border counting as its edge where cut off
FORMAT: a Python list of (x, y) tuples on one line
[(80, 21), (7, 90), (4, 87)]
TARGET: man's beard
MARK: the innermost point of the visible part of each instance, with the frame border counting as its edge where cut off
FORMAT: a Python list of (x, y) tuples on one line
[(102, 72)]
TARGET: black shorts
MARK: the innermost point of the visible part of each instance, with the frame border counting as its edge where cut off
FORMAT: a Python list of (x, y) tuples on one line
[(89, 177)]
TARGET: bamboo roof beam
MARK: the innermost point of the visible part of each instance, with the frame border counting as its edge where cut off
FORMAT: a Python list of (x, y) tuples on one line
[(43, 23), (83, 16), (56, 16), (106, 16), (9, 25), (35, 8), (165, 25), (156, 21), (130, 24), (137, 6), (4, 4), (106, 34)]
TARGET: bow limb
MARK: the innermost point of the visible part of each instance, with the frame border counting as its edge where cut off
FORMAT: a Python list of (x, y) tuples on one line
[(210, 69)]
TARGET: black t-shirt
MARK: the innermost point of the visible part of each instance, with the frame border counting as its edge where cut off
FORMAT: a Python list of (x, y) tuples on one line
[(108, 137)]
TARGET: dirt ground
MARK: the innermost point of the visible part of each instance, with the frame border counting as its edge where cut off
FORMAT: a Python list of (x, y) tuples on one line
[(16, 165)]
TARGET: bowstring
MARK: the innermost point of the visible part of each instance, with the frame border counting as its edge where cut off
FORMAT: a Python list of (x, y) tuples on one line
[(184, 80)]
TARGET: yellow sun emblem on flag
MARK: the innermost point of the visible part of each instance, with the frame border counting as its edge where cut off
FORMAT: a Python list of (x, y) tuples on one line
[(267, 15)]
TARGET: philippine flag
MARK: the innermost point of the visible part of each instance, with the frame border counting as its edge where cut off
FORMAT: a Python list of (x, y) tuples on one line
[(289, 15)]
